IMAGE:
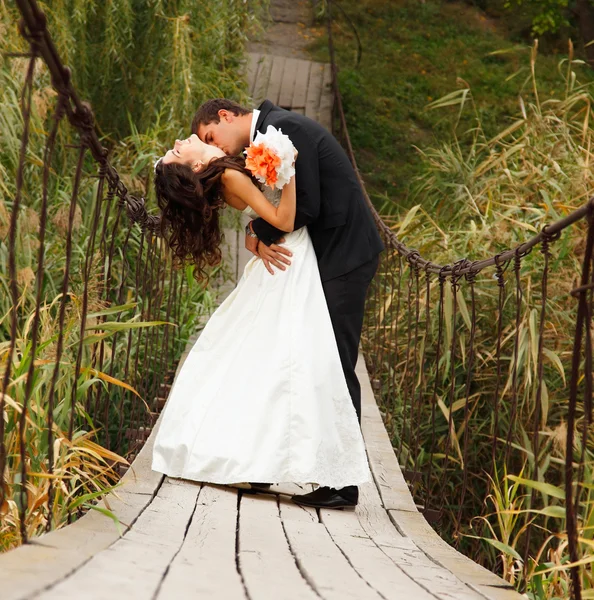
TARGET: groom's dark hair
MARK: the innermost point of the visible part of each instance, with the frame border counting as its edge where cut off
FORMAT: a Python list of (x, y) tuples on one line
[(209, 112)]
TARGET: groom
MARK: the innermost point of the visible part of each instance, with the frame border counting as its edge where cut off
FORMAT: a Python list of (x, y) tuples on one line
[(330, 202)]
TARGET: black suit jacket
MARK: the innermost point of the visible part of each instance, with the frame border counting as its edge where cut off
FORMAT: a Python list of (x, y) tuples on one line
[(329, 198)]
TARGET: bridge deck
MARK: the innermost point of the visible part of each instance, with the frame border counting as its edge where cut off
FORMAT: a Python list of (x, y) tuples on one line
[(185, 539), (299, 85)]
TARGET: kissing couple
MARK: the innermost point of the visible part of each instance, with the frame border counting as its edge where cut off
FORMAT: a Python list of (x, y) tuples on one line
[(268, 393)]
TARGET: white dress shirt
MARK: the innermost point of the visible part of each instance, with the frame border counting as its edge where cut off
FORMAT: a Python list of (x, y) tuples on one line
[(255, 115)]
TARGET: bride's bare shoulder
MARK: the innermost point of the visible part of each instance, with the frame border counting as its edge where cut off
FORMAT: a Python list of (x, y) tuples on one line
[(232, 180), (232, 177)]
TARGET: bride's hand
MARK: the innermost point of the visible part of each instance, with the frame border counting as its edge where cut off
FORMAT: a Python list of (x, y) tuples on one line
[(251, 244)]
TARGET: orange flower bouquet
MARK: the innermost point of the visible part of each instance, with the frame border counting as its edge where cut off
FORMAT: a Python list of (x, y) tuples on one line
[(270, 158)]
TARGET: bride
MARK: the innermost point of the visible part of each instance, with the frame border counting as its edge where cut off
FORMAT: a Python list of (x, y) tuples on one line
[(233, 416)]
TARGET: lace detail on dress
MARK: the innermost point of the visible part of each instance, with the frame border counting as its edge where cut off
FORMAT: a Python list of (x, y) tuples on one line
[(348, 465), (345, 464), (273, 196)]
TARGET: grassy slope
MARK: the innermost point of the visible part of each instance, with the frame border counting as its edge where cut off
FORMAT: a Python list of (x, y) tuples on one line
[(414, 53)]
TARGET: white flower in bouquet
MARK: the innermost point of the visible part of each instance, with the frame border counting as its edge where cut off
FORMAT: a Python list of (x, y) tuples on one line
[(270, 157)]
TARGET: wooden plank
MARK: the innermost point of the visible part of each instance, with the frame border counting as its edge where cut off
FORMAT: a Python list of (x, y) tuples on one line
[(205, 566), (140, 477), (276, 78), (301, 85), (376, 522), (402, 550), (390, 490), (265, 559), (253, 60), (369, 560), (323, 564), (30, 568), (288, 83), (487, 583), (440, 582), (386, 471), (262, 79), (51, 557), (314, 91), (133, 566), (326, 99), (290, 511)]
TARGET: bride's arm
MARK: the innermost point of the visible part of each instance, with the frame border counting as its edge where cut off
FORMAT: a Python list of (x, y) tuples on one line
[(241, 186)]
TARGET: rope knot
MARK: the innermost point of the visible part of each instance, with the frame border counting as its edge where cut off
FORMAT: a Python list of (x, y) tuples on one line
[(499, 271), (102, 169), (441, 276), (111, 189), (455, 276), (35, 33), (134, 208), (460, 265), (548, 238), (471, 277), (413, 258), (83, 119), (518, 255), (428, 265)]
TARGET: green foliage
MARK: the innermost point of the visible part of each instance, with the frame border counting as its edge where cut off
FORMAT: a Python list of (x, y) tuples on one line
[(414, 53), (478, 195), (469, 147), (548, 16), (133, 59), (145, 66)]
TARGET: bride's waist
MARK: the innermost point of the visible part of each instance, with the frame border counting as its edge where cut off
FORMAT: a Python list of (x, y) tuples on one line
[(297, 237)]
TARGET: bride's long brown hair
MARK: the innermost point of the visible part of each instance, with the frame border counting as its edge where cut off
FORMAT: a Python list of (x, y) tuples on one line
[(190, 203)]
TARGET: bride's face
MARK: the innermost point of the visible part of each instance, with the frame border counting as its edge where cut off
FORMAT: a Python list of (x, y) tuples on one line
[(192, 152)]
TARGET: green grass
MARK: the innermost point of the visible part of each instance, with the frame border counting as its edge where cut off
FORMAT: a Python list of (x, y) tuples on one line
[(510, 167), (413, 54), (145, 68)]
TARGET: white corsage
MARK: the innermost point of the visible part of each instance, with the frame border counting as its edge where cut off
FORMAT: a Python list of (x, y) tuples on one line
[(270, 158)]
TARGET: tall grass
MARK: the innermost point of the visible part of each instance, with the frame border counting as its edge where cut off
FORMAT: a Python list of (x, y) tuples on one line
[(145, 66), (478, 196)]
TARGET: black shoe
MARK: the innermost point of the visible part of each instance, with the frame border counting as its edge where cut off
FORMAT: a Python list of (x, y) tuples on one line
[(327, 497)]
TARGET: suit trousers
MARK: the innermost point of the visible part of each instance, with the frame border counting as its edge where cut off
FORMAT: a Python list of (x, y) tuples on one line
[(345, 296)]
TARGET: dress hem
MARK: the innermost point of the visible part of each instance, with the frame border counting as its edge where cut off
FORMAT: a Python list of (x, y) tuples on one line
[(265, 478)]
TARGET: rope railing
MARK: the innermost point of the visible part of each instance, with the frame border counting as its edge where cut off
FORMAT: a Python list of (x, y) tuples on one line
[(71, 380), (88, 360), (414, 306), (33, 28)]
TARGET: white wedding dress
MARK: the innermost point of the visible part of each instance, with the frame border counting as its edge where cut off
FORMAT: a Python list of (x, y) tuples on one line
[(262, 395)]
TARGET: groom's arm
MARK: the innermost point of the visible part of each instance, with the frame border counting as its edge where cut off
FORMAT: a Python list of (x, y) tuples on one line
[(307, 184)]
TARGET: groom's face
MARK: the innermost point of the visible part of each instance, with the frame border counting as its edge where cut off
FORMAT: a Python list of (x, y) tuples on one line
[(226, 134)]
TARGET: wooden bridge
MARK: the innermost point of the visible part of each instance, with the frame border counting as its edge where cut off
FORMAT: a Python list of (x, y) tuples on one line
[(185, 539)]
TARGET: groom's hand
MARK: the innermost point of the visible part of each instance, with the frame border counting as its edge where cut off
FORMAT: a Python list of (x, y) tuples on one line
[(274, 254)]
